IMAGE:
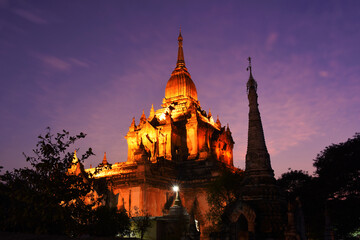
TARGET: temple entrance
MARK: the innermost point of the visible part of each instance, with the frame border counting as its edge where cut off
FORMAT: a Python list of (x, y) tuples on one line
[(242, 228)]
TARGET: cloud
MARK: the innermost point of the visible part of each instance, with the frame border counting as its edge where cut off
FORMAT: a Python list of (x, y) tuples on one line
[(271, 40), (78, 62), (323, 73), (58, 64), (55, 63), (30, 16)]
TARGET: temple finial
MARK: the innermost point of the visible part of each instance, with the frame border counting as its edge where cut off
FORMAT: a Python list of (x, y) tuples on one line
[(218, 121), (143, 118), (180, 60), (152, 113), (104, 161), (249, 67), (251, 82)]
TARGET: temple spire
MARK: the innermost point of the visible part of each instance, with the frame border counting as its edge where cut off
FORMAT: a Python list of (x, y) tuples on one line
[(152, 113), (251, 82), (104, 161), (180, 60), (249, 67), (143, 118), (218, 121), (257, 156)]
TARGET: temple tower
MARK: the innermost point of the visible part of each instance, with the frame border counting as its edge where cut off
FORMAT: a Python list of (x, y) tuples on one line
[(259, 213), (258, 169), (180, 131), (260, 191)]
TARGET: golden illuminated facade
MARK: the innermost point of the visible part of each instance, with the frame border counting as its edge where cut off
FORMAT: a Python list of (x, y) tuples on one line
[(177, 144), (181, 144), (180, 130)]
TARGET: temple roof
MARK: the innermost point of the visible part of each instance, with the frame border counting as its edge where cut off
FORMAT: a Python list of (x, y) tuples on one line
[(180, 84)]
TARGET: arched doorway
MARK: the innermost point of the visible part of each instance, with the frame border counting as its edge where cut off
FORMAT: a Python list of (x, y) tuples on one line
[(242, 230), (242, 219)]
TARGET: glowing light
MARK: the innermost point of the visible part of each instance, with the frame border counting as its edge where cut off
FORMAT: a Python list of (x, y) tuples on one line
[(175, 188), (162, 117)]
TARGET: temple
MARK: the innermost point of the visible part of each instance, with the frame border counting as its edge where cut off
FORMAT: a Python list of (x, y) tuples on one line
[(180, 130), (179, 143)]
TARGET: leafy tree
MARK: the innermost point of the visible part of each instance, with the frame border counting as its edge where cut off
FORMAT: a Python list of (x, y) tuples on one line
[(45, 198), (302, 188), (141, 220), (294, 182), (109, 222), (330, 199), (338, 171), (223, 191), (338, 168)]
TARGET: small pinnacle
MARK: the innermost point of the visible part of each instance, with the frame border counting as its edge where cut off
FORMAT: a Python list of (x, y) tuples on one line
[(249, 67), (104, 162)]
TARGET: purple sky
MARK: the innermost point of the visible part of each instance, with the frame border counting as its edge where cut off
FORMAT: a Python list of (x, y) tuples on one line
[(92, 65)]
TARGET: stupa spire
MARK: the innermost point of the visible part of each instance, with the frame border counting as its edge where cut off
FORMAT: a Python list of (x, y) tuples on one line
[(251, 82), (180, 60), (104, 161), (257, 156), (143, 118), (152, 113), (218, 121)]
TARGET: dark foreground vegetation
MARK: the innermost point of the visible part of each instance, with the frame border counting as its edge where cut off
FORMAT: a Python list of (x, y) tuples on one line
[(45, 199), (330, 200)]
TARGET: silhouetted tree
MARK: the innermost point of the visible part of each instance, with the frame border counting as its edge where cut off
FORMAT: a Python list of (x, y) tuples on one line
[(141, 220), (302, 188), (108, 221), (338, 171), (224, 190), (45, 198), (331, 198)]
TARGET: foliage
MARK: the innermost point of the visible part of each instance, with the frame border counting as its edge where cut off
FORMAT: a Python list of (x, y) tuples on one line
[(299, 186), (338, 171), (223, 191), (333, 194), (141, 220), (109, 222), (45, 198), (338, 168), (294, 182)]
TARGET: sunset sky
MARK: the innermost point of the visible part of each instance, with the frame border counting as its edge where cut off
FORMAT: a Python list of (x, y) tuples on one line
[(91, 66)]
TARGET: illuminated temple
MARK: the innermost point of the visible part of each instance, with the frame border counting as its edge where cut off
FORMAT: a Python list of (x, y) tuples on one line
[(181, 144), (177, 144)]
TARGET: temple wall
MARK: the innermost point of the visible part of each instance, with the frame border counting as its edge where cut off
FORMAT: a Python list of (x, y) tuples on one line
[(192, 139), (155, 199), (128, 197), (146, 198)]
